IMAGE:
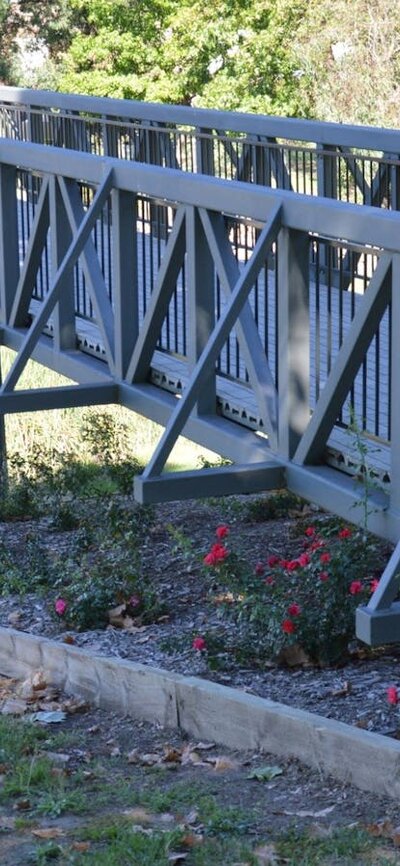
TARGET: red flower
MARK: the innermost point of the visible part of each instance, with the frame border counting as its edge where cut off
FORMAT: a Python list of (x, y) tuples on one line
[(222, 531), (292, 564), (325, 557), (374, 584), (323, 575), (260, 568), (304, 559), (272, 561), (310, 531), (355, 587), (269, 580), (288, 626), (316, 544), (294, 609), (345, 532), (60, 606), (392, 695), (217, 554), (199, 644)]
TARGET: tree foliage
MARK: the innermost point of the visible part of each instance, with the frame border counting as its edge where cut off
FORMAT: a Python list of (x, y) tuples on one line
[(291, 57)]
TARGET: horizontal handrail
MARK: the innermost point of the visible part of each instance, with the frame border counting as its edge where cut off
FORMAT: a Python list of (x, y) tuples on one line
[(322, 216), (292, 129)]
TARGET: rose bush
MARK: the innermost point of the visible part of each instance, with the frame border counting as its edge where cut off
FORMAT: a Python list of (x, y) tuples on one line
[(308, 601)]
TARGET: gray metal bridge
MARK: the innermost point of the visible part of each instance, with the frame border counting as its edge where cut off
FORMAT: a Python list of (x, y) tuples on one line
[(258, 317)]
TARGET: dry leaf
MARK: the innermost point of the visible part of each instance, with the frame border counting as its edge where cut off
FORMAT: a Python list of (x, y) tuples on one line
[(48, 833), (80, 846), (94, 729), (138, 815), (150, 759), (344, 690), (133, 757), (191, 817), (171, 754), (69, 638), (190, 756), (22, 805), (72, 706), (223, 763), (205, 747), (14, 617), (380, 828)]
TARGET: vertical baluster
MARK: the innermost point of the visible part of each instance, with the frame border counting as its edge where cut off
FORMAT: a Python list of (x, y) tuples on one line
[(125, 277), (61, 236), (201, 302)]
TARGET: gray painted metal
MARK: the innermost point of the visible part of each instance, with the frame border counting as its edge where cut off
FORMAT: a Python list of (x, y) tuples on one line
[(203, 211)]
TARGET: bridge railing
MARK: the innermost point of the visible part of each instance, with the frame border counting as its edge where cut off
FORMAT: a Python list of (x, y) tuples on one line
[(223, 304), (349, 163)]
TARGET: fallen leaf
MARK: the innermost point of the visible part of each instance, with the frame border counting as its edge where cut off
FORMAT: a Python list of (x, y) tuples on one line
[(150, 759), (204, 747), (14, 617), (94, 729), (49, 718), (343, 691), (190, 756), (69, 638), (138, 815), (72, 706), (22, 805), (265, 774), (380, 828), (191, 817), (80, 846), (171, 754), (48, 833), (223, 763), (133, 757)]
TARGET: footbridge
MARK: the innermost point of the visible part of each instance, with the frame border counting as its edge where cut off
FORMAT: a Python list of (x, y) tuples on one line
[(235, 278)]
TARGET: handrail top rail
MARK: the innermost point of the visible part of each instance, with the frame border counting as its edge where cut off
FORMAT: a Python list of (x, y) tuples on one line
[(325, 217), (322, 133)]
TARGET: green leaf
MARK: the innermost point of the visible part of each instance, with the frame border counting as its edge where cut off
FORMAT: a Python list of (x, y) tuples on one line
[(265, 774)]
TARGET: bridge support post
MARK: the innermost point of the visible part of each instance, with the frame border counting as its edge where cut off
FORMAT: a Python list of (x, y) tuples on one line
[(293, 339)]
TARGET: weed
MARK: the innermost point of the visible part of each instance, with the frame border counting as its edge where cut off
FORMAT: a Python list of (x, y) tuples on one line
[(271, 507)]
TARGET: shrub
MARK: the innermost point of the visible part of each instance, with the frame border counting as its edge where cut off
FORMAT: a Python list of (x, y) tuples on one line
[(307, 602)]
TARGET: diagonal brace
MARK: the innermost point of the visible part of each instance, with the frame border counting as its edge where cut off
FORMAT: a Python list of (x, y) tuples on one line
[(208, 358), (73, 253)]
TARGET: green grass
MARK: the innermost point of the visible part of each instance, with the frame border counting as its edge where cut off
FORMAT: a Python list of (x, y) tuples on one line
[(221, 832)]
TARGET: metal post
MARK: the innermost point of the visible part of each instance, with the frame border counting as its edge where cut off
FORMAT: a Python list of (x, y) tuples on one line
[(201, 315), (293, 339), (125, 278)]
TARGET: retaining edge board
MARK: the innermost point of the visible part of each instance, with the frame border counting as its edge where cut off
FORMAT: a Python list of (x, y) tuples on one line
[(207, 710)]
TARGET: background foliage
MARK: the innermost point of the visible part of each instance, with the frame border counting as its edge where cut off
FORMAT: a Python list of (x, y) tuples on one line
[(288, 57)]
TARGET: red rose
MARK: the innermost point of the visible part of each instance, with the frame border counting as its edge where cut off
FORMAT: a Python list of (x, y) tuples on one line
[(392, 695), (288, 626), (222, 531), (345, 532), (199, 644), (310, 531), (325, 557), (294, 609), (304, 559), (374, 584), (292, 564), (323, 575), (272, 561), (260, 568), (355, 587)]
